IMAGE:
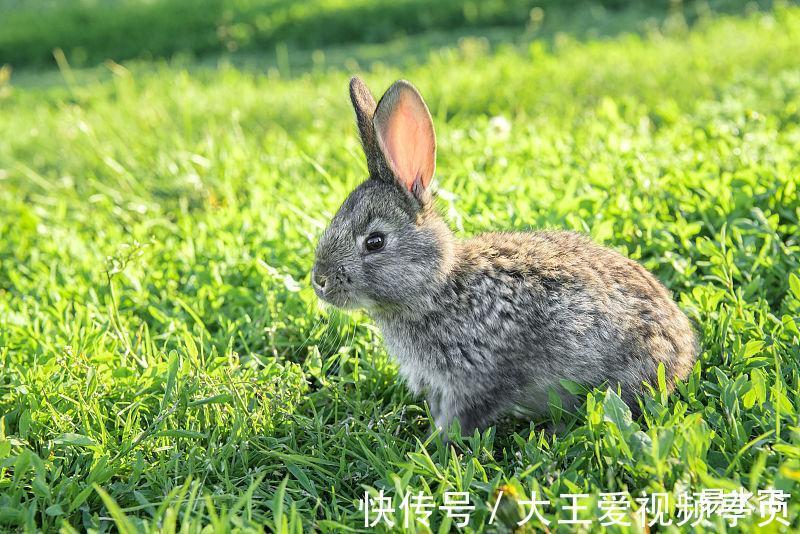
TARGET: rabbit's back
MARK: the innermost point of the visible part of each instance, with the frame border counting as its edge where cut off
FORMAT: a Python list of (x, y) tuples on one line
[(612, 306)]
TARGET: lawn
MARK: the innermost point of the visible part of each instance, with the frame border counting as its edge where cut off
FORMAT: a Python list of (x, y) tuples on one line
[(165, 364)]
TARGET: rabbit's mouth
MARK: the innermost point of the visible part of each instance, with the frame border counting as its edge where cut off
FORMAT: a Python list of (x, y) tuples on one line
[(332, 286), (336, 298), (340, 299), (339, 296), (330, 292)]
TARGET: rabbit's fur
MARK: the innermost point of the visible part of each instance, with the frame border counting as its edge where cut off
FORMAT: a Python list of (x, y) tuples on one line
[(488, 325)]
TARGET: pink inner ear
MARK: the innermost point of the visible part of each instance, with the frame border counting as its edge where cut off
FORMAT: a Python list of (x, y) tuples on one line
[(408, 141)]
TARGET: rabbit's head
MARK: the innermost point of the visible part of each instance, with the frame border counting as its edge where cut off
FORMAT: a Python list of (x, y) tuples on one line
[(386, 246)]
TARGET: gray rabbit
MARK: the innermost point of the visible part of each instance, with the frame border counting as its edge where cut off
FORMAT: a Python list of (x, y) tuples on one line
[(489, 325)]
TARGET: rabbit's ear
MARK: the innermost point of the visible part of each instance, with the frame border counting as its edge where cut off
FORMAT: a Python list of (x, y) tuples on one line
[(404, 131), (364, 106)]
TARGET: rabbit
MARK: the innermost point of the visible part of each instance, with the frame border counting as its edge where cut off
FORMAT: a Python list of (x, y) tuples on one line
[(488, 326)]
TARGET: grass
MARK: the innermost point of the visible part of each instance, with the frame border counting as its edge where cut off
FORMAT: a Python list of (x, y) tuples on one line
[(165, 363), (89, 32)]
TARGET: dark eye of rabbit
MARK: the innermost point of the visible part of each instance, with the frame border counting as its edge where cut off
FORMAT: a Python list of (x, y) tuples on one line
[(374, 242)]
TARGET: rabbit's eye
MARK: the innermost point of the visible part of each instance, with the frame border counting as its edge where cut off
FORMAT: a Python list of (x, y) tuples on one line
[(374, 241)]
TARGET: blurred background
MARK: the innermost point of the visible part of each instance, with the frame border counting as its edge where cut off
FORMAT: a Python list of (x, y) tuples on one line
[(92, 31)]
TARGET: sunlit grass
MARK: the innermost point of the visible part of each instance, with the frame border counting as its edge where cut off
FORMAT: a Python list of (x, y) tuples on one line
[(164, 361)]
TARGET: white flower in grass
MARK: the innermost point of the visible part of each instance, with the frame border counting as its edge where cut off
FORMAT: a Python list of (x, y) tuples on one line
[(500, 126)]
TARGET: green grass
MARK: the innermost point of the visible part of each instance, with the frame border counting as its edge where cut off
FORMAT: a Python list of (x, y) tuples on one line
[(163, 360), (92, 31)]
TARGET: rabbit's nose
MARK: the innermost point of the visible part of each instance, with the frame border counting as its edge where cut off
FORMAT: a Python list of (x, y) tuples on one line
[(319, 279)]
